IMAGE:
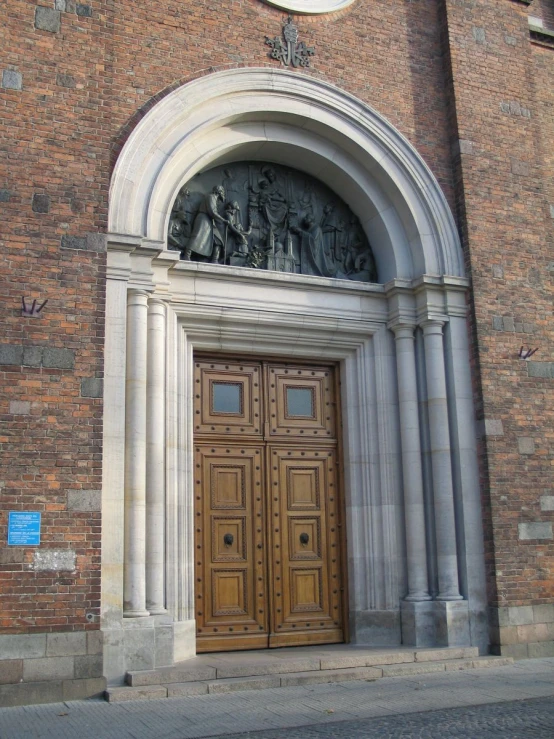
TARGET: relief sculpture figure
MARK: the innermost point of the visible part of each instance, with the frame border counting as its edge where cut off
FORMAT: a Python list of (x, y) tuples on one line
[(261, 215), (208, 232)]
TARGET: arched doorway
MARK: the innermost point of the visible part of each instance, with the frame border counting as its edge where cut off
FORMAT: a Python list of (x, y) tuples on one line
[(410, 474)]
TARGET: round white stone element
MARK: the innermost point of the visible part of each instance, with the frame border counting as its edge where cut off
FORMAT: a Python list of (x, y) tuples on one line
[(311, 6)]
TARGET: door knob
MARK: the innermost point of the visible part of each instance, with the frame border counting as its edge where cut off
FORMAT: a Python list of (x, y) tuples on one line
[(304, 538), (228, 539)]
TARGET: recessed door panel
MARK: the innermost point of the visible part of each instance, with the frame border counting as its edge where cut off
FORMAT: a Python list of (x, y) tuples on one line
[(231, 562), (308, 600), (267, 513)]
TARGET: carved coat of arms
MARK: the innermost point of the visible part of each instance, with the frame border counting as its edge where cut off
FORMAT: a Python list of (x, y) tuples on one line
[(289, 51)]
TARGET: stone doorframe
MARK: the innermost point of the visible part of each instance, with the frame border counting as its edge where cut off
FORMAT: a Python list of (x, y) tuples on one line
[(414, 538)]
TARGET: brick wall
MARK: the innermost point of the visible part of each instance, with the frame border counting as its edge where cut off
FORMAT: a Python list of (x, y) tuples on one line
[(502, 85)]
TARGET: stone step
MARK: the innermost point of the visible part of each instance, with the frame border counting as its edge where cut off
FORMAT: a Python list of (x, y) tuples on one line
[(197, 669), (305, 677)]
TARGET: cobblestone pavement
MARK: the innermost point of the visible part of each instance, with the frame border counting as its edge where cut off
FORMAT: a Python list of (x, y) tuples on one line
[(456, 703), (518, 720)]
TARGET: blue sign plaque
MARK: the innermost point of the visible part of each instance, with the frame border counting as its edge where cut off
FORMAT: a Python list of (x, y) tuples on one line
[(24, 528)]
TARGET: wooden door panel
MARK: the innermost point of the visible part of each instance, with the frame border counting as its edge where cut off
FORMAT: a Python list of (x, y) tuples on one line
[(300, 402), (305, 538), (227, 400), (231, 581)]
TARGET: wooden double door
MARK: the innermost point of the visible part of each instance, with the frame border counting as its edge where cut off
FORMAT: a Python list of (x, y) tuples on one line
[(268, 517)]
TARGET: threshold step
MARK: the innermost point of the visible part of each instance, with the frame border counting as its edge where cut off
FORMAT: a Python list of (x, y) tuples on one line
[(290, 678)]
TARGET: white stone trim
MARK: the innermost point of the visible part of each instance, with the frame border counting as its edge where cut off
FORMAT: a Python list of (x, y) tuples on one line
[(299, 121), (312, 7)]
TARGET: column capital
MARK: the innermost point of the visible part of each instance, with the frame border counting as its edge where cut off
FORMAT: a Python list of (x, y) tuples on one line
[(137, 296), (156, 300), (403, 329), (432, 325)]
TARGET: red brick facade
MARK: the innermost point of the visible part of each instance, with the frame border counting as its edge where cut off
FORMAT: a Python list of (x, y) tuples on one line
[(463, 80)]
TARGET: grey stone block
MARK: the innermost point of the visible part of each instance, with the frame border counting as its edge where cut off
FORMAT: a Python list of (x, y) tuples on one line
[(84, 500), (547, 503), (491, 662), (20, 407), (543, 614), (526, 445), (317, 677), (140, 649), (552, 211), (58, 358), (498, 323), (233, 684), (24, 694), (508, 322), (22, 646), (515, 651), (60, 5), (65, 80), (74, 690), (84, 11), (466, 147), (5, 196), (92, 387), (497, 271), (32, 356), (48, 668), (47, 19), (536, 650), (73, 242), (149, 692), (56, 560), (41, 203), (10, 354), (490, 427), (178, 690), (11, 556), (520, 168), (505, 107), (432, 655), (96, 242), (11, 671), (88, 666), (535, 530), (417, 668), (66, 644), (12, 80), (479, 35), (529, 328), (510, 40), (164, 646), (458, 664), (540, 369), (166, 675), (267, 668), (95, 642)]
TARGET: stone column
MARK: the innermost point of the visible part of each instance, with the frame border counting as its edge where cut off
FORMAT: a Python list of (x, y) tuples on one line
[(414, 510), (155, 458), (441, 462), (134, 581)]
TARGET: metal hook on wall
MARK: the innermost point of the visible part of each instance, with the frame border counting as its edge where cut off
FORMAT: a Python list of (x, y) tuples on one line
[(31, 311)]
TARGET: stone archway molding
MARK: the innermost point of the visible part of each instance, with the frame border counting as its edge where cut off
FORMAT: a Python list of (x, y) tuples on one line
[(310, 7), (289, 118)]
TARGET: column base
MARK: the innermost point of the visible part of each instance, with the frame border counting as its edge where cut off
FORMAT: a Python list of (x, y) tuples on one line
[(452, 623), (418, 623), (135, 614)]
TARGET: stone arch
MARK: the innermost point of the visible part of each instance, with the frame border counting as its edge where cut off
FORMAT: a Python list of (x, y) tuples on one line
[(297, 120)]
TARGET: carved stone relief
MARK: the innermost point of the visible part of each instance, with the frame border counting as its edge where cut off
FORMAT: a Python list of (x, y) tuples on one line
[(266, 216)]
